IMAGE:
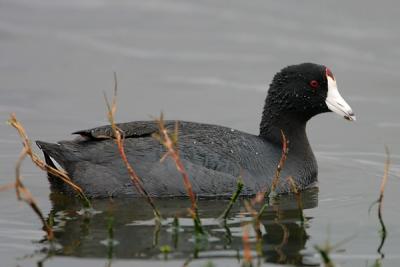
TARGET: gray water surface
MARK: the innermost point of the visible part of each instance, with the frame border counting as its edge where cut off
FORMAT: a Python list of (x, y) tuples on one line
[(211, 62)]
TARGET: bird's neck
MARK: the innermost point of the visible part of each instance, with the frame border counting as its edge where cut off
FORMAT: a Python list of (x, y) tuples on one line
[(275, 121)]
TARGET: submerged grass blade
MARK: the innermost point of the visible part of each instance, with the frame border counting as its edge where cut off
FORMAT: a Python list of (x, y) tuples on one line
[(233, 199), (261, 211), (380, 201), (324, 253), (165, 250), (228, 234), (297, 193), (156, 232), (110, 237), (175, 232), (325, 250)]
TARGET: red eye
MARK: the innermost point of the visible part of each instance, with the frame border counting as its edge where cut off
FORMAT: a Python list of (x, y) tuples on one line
[(314, 84)]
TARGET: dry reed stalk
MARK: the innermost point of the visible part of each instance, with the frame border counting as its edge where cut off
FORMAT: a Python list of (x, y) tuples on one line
[(7, 187), (40, 163), (23, 194), (21, 190), (285, 239), (256, 225), (119, 139), (247, 258), (260, 196), (250, 209), (170, 143), (285, 150)]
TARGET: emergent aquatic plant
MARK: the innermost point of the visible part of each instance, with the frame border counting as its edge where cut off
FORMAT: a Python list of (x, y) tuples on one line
[(119, 139)]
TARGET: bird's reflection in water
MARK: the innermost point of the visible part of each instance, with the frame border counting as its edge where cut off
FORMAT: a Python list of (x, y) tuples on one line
[(134, 233)]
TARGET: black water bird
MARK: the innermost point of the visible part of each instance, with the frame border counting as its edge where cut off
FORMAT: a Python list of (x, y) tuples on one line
[(214, 156)]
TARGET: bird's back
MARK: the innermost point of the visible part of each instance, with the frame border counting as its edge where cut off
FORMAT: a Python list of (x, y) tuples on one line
[(214, 158)]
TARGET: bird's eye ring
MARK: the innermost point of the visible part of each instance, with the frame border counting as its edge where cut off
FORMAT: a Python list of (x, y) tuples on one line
[(314, 84)]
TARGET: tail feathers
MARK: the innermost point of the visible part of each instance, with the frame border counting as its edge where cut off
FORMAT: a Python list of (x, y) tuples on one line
[(52, 152)]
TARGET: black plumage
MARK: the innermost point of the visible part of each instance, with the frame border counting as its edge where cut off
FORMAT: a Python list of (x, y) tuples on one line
[(213, 156)]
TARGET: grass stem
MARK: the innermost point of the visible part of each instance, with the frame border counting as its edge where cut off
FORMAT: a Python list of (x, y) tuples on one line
[(380, 201), (170, 142), (41, 164), (235, 196), (297, 193), (279, 167), (119, 139)]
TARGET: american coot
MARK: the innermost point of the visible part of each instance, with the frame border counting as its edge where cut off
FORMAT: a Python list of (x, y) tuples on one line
[(214, 156)]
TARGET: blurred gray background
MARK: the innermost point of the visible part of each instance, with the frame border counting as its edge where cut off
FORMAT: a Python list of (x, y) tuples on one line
[(207, 61)]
